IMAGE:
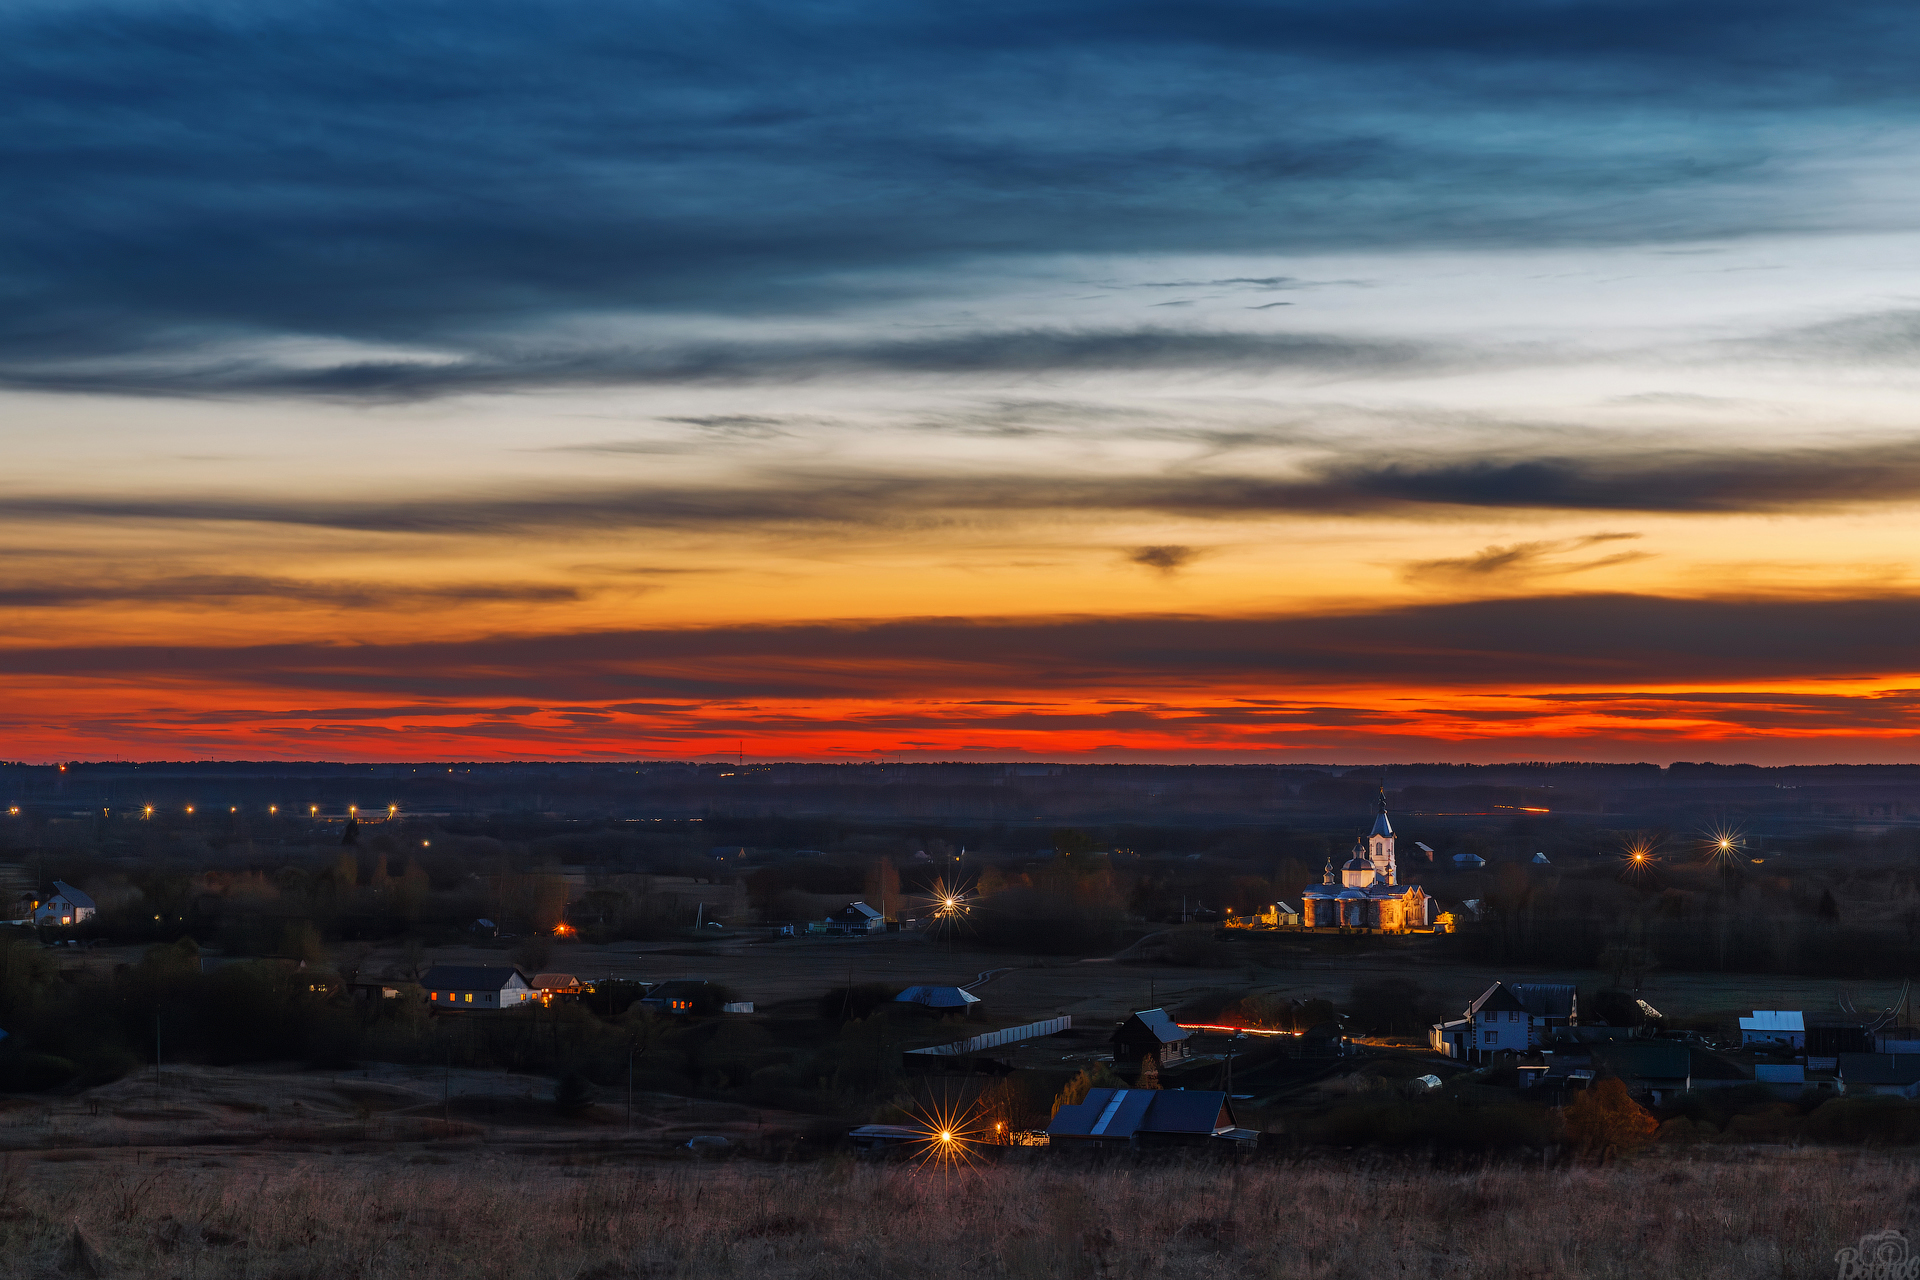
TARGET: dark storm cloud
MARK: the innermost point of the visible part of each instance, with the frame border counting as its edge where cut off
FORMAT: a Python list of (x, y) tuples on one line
[(180, 175), (1674, 481), (1534, 641)]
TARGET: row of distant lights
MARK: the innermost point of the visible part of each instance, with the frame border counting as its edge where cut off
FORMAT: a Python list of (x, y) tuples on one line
[(313, 809), (13, 811)]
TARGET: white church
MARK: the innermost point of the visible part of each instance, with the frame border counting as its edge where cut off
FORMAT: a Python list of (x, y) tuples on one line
[(1368, 893)]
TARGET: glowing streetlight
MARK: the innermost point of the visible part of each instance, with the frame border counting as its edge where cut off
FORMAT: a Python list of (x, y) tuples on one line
[(189, 808), (353, 808), (149, 811), (313, 810), (273, 808)]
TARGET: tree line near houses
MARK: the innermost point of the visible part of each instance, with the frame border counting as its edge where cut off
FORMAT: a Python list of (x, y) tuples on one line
[(1835, 904)]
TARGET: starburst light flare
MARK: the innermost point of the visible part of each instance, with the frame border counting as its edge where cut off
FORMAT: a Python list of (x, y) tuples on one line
[(954, 1133)]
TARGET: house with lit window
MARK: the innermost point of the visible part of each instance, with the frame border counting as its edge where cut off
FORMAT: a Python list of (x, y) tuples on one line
[(67, 906), (476, 986)]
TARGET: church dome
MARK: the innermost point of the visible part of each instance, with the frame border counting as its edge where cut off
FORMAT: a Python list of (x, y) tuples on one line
[(1357, 864)]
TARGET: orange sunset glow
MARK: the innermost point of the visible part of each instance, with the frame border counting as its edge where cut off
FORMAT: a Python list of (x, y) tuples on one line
[(836, 415)]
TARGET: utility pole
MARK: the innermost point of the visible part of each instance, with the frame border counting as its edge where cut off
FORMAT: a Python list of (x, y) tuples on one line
[(630, 1052)]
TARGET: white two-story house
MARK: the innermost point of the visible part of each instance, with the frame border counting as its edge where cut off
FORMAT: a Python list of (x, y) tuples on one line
[(67, 906), (1508, 1019)]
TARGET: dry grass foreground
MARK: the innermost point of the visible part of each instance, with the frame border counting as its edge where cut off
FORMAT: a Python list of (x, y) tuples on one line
[(1769, 1212)]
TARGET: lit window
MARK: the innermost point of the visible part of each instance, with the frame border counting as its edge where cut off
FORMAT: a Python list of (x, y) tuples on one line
[(469, 997)]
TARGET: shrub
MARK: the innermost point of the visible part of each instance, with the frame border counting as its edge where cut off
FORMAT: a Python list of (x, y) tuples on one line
[(1606, 1119)]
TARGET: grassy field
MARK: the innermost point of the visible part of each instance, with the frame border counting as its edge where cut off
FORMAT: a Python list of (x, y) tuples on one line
[(472, 1214)]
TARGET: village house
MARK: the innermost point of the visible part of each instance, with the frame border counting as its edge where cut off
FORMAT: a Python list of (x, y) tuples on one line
[(476, 986), (684, 997), (564, 987), (67, 906), (1145, 1118), (1277, 915), (1780, 1028), (1150, 1033), (855, 917), (1506, 1018), (946, 1001)]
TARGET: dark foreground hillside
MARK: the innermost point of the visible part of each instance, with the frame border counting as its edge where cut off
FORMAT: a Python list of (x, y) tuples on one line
[(333, 1215)]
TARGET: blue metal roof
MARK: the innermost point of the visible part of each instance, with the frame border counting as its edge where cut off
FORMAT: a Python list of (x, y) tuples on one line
[(1121, 1113)]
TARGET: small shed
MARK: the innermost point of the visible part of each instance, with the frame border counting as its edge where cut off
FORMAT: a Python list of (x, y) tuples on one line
[(1150, 1033), (1788, 1079)]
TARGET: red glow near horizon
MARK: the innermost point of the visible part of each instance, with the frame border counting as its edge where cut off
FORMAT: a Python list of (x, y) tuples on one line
[(966, 716)]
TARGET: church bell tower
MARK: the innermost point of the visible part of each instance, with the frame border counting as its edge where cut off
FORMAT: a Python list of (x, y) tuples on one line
[(1380, 842)]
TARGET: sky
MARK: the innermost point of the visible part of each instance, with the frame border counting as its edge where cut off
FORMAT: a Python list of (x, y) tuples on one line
[(1197, 381)]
